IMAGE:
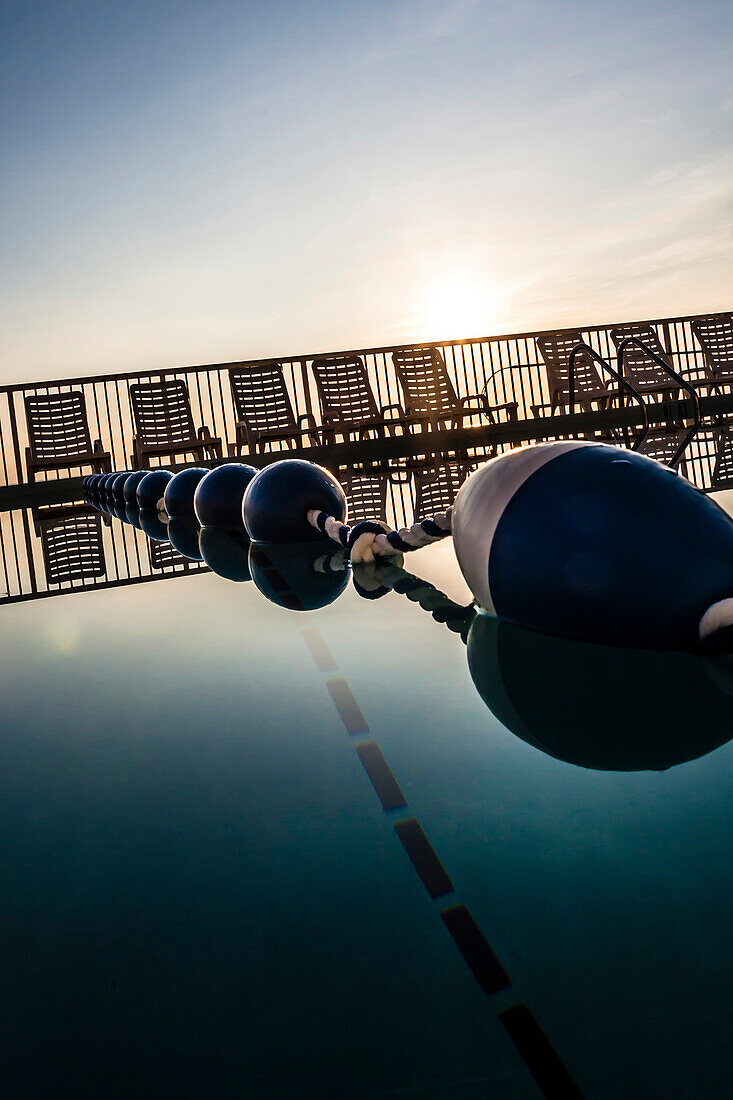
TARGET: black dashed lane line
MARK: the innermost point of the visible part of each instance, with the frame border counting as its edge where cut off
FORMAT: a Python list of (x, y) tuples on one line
[(322, 655), (422, 854), (539, 1055), (381, 775), (472, 944), (347, 706)]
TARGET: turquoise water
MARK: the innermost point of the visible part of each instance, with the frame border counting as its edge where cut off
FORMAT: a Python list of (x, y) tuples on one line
[(202, 895)]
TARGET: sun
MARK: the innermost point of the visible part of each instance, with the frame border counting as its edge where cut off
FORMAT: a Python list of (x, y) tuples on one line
[(458, 307)]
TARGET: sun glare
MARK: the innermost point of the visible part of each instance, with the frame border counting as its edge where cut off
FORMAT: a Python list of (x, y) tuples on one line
[(457, 308)]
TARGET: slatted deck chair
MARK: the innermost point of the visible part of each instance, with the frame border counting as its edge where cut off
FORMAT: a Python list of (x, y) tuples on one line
[(164, 424), (640, 369), (58, 435), (589, 387), (264, 412), (348, 407), (71, 542), (436, 491), (715, 336), (430, 396), (366, 495)]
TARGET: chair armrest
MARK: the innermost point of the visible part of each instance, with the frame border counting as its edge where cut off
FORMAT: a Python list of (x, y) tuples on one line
[(203, 433), (392, 408), (510, 407), (98, 449), (480, 398)]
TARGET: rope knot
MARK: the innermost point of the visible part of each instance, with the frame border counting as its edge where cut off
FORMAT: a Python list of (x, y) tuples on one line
[(362, 537)]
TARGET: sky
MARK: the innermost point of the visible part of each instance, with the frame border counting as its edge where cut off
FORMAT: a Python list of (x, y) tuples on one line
[(188, 183)]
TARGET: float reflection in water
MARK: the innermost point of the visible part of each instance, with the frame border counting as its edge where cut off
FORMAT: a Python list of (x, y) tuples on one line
[(299, 576), (604, 707), (609, 708)]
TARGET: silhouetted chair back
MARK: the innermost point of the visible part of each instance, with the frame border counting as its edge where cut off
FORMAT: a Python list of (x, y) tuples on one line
[(429, 392), (640, 369), (436, 491), (71, 542), (715, 336), (589, 387), (263, 410), (347, 401), (58, 434), (164, 424)]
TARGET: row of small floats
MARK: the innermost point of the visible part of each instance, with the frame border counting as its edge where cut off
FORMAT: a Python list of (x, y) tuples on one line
[(620, 707)]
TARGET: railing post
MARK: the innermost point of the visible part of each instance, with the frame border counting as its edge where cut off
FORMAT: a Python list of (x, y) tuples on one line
[(16, 441)]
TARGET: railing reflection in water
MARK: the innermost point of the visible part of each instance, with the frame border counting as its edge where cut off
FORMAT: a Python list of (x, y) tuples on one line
[(48, 551)]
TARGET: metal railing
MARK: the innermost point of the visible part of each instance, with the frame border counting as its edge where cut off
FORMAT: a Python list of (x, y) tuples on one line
[(506, 368)]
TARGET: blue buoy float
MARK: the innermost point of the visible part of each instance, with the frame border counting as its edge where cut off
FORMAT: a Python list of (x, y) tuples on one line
[(218, 498), (179, 492), (588, 541), (131, 484), (277, 501), (151, 488)]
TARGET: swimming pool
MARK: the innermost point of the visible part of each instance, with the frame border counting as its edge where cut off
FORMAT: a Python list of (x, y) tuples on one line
[(205, 896)]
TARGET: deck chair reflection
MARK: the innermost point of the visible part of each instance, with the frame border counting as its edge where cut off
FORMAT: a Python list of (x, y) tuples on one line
[(348, 407), (366, 495), (435, 490), (264, 412), (164, 424), (71, 543), (430, 396), (58, 435), (163, 555)]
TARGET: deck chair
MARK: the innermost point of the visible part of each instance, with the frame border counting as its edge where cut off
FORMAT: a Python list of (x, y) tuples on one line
[(715, 336), (589, 387), (640, 369), (164, 424), (347, 402), (58, 435), (366, 495), (429, 393), (263, 410), (435, 491), (71, 542)]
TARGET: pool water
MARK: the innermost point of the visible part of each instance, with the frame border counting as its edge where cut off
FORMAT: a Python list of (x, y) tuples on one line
[(203, 895)]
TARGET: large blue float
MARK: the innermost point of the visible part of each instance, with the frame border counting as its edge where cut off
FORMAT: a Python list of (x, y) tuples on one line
[(592, 542)]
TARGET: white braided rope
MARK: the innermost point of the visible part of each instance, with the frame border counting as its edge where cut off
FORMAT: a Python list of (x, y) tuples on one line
[(383, 543)]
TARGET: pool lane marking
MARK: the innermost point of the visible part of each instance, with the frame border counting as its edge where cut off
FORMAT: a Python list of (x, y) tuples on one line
[(322, 655), (475, 948), (381, 775), (347, 706), (530, 1041), (433, 874), (539, 1055)]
